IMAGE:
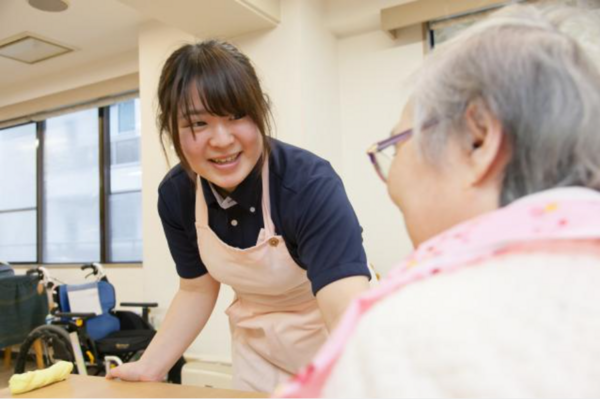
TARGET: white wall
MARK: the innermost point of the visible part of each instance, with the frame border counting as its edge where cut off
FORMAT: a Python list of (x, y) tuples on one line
[(297, 63), (373, 70)]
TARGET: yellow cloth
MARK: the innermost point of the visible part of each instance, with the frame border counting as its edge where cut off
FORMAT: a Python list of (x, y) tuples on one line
[(21, 383)]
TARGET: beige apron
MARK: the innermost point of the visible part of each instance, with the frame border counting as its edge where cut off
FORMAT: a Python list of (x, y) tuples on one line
[(275, 322)]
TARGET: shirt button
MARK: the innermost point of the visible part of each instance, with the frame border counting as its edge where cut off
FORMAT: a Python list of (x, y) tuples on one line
[(273, 242), (252, 209), (234, 222)]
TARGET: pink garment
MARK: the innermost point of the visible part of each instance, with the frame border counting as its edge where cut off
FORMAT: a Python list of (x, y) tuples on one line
[(554, 215), (275, 322)]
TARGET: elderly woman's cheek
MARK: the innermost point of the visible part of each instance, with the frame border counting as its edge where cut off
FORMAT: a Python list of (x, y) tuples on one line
[(394, 184)]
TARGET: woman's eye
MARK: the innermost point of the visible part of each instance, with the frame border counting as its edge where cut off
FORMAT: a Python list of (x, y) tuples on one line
[(237, 117), (198, 124)]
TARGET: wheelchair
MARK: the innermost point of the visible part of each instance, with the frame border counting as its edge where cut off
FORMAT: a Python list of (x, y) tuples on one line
[(94, 341)]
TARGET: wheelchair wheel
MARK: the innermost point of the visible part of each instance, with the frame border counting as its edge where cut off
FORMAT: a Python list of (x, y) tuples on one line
[(55, 343)]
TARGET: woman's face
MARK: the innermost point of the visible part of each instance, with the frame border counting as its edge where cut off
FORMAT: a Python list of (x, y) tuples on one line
[(223, 150)]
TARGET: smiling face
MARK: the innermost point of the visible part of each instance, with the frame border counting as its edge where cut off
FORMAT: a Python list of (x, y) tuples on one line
[(214, 112), (222, 149)]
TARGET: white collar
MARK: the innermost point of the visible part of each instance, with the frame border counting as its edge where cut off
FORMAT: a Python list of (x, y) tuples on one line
[(223, 203)]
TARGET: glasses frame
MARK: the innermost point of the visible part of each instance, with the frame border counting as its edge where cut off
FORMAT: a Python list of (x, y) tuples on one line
[(393, 140), (382, 145)]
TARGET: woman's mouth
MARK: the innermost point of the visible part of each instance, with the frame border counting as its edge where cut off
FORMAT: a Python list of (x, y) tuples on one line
[(222, 161)]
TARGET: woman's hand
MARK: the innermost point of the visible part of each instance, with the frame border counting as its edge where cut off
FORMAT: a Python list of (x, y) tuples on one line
[(135, 371), (188, 313)]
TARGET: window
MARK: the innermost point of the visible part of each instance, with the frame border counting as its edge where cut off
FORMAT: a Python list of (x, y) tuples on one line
[(18, 202), (444, 29), (71, 205), (71, 188), (125, 192), (127, 117)]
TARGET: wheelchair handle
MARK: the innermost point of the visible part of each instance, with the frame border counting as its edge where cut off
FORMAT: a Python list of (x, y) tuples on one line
[(97, 270), (31, 272), (42, 274)]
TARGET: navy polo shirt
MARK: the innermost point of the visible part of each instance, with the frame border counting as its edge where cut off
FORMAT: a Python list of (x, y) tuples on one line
[(309, 208)]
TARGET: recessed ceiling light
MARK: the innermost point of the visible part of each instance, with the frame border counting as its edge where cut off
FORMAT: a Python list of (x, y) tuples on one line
[(50, 5), (30, 49)]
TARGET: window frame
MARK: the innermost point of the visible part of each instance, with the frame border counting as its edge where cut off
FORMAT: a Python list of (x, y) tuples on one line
[(104, 167), (474, 16), (34, 208)]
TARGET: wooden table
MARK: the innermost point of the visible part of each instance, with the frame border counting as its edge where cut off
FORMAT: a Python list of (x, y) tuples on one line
[(77, 386)]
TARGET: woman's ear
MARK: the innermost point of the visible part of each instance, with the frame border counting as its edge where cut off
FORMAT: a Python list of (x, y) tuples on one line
[(485, 138)]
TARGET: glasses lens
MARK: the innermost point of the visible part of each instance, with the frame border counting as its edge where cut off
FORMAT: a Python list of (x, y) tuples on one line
[(384, 161)]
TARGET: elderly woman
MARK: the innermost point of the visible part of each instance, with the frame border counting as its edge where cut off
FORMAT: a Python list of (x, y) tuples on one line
[(497, 171)]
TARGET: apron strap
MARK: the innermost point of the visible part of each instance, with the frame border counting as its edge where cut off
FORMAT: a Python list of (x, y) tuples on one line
[(201, 209), (266, 200)]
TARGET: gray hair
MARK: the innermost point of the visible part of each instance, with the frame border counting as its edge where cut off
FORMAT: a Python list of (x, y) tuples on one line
[(537, 70)]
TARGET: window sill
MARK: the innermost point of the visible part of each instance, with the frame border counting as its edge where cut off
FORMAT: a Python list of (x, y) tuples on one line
[(133, 265)]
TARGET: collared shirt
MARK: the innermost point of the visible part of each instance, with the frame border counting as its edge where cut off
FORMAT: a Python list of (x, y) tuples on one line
[(224, 203), (309, 208)]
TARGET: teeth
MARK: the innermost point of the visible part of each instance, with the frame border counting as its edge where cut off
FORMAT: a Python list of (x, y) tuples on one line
[(225, 160)]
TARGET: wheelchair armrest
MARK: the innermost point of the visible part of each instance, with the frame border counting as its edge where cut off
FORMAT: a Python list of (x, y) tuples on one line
[(83, 316), (139, 304)]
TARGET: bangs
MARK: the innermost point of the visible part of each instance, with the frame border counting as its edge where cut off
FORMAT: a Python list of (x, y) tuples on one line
[(222, 92)]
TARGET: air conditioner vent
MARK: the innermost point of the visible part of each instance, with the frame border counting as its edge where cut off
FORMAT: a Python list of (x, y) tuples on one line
[(30, 48)]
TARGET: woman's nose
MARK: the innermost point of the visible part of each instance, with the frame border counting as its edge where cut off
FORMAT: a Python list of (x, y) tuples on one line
[(221, 136)]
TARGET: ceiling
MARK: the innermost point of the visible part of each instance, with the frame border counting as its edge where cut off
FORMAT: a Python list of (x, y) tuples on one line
[(97, 29), (214, 18), (350, 17), (104, 30)]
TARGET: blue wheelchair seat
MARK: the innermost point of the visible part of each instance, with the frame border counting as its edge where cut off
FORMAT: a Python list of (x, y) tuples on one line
[(102, 325)]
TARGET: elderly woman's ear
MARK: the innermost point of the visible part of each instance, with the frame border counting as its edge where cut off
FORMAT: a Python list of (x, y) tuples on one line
[(485, 151)]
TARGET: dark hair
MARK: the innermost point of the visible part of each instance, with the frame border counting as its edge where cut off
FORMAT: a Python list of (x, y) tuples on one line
[(226, 82)]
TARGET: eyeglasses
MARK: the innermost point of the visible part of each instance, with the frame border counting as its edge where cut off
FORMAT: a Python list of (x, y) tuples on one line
[(382, 153)]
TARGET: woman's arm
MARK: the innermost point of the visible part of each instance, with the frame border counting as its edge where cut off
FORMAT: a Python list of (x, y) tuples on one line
[(333, 299), (329, 241), (188, 313)]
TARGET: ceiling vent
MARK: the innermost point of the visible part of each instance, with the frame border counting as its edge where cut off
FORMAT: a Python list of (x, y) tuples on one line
[(30, 48)]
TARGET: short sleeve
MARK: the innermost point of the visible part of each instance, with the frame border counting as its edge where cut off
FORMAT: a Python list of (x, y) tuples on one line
[(328, 234), (181, 240)]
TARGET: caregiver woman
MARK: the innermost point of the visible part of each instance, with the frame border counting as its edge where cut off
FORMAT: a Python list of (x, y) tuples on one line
[(271, 220)]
